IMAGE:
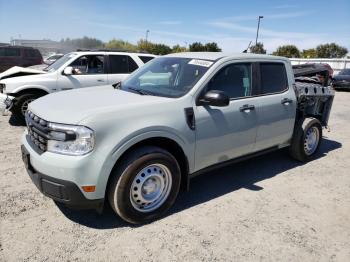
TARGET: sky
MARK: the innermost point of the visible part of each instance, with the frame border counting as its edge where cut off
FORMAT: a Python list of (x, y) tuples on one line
[(232, 24)]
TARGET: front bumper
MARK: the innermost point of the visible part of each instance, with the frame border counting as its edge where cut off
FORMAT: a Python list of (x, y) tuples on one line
[(6, 102), (61, 190)]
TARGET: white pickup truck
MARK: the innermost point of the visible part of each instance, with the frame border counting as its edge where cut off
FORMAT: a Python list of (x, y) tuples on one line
[(20, 86)]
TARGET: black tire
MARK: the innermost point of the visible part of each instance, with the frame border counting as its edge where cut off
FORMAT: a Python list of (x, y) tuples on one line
[(123, 178), (19, 105), (298, 149)]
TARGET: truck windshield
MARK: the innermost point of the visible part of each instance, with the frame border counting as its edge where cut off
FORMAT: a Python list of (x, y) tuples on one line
[(59, 62), (167, 76)]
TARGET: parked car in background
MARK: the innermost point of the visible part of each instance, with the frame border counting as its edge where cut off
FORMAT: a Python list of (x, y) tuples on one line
[(178, 116), (19, 56), (73, 70), (52, 58), (342, 80)]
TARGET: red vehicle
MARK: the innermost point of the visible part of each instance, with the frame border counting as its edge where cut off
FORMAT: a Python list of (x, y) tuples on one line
[(19, 56)]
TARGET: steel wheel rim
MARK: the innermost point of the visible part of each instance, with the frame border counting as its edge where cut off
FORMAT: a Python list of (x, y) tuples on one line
[(150, 188), (311, 140), (25, 104)]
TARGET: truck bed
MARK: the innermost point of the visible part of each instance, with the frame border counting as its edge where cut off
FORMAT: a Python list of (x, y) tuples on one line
[(314, 99)]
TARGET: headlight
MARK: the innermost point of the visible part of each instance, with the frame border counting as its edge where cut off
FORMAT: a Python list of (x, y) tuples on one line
[(70, 140)]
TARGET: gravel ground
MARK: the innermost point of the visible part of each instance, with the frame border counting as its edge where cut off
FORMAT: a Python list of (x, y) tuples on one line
[(266, 209)]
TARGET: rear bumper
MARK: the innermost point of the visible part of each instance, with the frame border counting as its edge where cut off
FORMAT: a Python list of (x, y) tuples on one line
[(60, 190)]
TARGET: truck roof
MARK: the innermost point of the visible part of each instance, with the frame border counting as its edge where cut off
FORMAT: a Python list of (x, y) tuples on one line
[(218, 55), (118, 51)]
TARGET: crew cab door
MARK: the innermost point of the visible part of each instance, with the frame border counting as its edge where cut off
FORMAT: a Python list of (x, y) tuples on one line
[(224, 133), (89, 71), (277, 106), (119, 67)]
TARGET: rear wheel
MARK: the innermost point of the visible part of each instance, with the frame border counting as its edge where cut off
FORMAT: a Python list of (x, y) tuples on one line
[(145, 185), (306, 139), (21, 105)]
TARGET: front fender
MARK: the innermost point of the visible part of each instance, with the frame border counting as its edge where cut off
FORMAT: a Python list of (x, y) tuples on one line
[(27, 87), (117, 151)]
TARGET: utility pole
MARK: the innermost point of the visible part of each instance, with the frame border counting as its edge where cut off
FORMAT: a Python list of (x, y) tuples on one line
[(147, 32), (257, 31)]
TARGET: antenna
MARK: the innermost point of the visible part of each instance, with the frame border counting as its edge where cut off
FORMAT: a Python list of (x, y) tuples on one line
[(246, 51)]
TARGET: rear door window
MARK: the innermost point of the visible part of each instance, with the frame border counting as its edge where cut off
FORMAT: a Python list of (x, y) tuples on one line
[(121, 64), (10, 52), (273, 78)]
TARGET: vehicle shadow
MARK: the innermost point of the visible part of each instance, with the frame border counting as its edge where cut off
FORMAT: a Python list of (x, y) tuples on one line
[(210, 185), (13, 121)]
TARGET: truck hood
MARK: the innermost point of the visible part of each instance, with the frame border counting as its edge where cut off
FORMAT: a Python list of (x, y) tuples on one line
[(20, 71), (73, 106)]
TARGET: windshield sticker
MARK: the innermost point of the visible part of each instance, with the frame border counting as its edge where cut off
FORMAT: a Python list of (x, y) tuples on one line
[(200, 62)]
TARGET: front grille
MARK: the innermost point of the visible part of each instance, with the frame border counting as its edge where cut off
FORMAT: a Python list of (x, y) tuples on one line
[(38, 132)]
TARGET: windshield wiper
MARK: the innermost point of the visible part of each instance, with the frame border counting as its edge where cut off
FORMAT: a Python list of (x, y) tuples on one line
[(139, 91)]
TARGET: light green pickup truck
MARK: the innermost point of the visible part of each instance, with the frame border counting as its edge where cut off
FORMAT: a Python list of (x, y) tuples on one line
[(137, 143)]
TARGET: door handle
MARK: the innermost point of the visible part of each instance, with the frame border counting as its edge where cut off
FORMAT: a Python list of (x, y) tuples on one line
[(286, 101), (246, 108), (100, 80)]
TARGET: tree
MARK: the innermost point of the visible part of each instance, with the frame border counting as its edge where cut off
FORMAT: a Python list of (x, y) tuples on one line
[(290, 51), (309, 53), (85, 42), (331, 50), (197, 47), (178, 49), (121, 44), (153, 48), (161, 49), (258, 48), (212, 47), (208, 47)]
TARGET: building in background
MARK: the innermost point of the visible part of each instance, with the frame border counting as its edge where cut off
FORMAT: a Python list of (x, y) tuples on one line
[(45, 46)]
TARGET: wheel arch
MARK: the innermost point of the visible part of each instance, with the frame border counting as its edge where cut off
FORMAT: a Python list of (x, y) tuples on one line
[(30, 90), (165, 143)]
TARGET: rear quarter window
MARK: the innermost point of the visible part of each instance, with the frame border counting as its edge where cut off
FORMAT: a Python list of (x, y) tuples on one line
[(273, 78), (145, 59), (33, 53)]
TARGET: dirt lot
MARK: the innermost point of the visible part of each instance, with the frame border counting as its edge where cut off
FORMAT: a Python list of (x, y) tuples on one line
[(266, 209)]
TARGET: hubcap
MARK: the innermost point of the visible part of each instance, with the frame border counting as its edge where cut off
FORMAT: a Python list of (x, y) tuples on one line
[(150, 188), (312, 138), (25, 106)]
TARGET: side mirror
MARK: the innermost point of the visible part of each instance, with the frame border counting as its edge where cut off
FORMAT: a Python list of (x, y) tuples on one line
[(215, 98), (68, 71)]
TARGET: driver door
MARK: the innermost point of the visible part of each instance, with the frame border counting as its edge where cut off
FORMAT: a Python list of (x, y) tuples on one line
[(224, 133), (89, 71)]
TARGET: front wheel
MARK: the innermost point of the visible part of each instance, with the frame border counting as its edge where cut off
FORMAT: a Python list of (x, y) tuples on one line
[(20, 105), (306, 139), (145, 185)]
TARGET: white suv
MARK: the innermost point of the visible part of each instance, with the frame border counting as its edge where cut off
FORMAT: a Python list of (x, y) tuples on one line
[(73, 70)]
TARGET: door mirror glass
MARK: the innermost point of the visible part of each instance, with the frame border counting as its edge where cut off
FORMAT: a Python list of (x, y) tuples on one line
[(68, 71), (215, 98)]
